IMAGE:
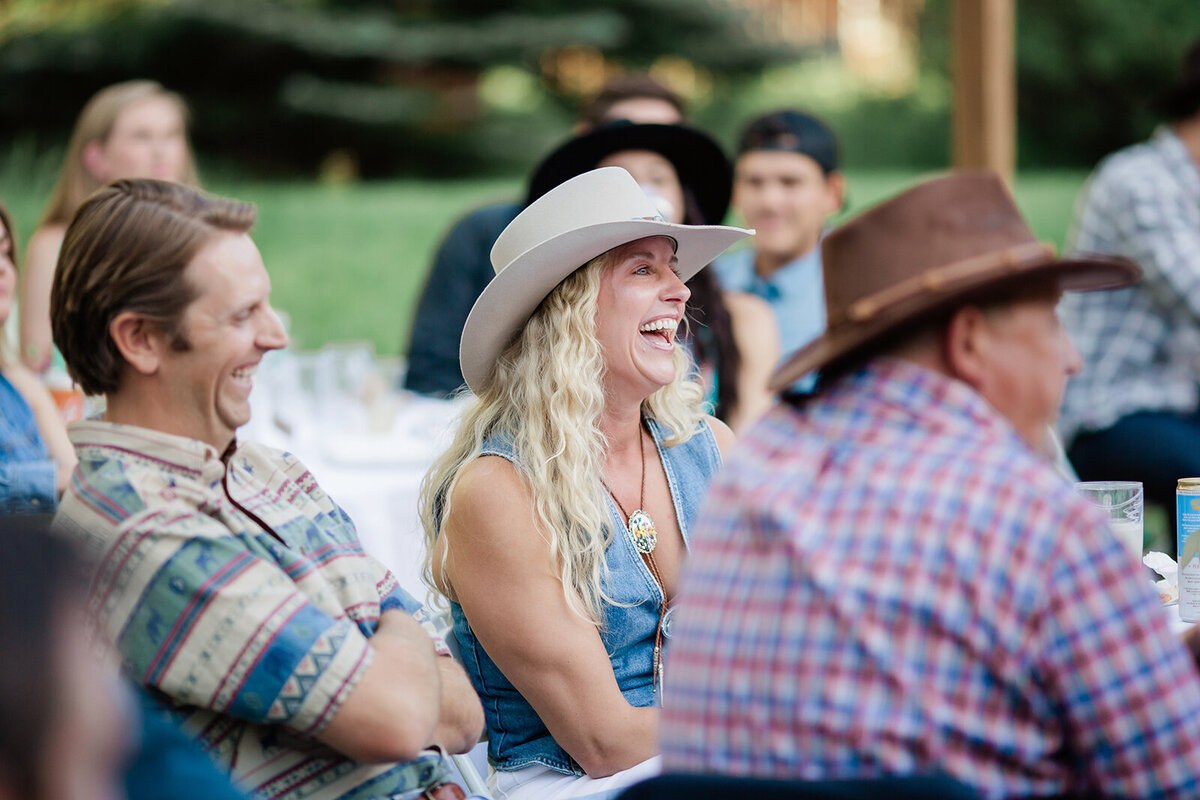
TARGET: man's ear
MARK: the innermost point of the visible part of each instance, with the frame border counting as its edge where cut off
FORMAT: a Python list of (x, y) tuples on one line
[(967, 347), (94, 161), (835, 185), (139, 341)]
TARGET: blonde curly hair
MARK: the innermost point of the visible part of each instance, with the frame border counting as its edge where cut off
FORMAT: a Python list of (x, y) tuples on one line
[(546, 395)]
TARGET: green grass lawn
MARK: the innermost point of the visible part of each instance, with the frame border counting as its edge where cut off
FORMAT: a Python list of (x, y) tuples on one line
[(347, 262)]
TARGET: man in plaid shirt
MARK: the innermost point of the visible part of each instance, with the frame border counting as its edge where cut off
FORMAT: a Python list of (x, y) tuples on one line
[(1134, 410), (889, 577)]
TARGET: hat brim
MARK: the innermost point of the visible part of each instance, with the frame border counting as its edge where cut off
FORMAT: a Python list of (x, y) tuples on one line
[(512, 296), (1084, 273), (1179, 101), (699, 162)]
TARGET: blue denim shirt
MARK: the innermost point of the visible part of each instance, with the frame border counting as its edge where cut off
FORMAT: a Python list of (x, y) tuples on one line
[(795, 292), (517, 737), (27, 473)]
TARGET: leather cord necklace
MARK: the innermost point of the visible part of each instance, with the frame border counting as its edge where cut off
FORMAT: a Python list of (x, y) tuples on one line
[(641, 531)]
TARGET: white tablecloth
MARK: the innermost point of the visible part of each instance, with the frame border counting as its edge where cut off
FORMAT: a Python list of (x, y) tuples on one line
[(368, 448)]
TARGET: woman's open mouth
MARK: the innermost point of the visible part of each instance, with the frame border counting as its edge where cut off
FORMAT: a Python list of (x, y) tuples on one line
[(660, 333)]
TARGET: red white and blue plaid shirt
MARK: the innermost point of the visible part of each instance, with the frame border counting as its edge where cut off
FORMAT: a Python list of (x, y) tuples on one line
[(889, 580)]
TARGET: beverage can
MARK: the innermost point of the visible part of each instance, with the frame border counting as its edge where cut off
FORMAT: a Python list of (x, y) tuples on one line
[(68, 398), (1187, 532), (70, 404)]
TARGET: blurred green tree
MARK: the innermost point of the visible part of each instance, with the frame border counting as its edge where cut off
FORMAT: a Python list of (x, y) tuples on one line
[(1087, 70), (376, 86)]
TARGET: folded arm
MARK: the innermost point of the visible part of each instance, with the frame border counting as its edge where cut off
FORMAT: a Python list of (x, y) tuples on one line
[(256, 647), (460, 716)]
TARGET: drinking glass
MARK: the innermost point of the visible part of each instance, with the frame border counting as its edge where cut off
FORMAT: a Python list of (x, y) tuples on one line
[(1121, 501)]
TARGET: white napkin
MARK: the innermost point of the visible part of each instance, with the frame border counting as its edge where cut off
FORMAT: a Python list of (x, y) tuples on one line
[(1164, 565)]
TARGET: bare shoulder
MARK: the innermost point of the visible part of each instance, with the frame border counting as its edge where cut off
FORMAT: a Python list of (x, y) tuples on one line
[(488, 478), (492, 537), (45, 242), (723, 434), (491, 499), (746, 303), (751, 317)]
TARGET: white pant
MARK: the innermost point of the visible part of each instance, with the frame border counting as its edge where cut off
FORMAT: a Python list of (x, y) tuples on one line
[(536, 782)]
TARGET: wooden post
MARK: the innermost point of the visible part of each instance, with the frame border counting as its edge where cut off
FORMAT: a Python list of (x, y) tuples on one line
[(985, 85)]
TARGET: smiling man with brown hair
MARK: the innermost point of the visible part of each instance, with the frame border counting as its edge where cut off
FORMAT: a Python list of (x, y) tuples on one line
[(235, 589)]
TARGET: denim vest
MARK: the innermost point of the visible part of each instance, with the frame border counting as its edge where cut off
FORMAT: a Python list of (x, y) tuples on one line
[(517, 737), (27, 473)]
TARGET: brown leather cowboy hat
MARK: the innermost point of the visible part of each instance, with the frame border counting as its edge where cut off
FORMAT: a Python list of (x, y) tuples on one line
[(942, 241)]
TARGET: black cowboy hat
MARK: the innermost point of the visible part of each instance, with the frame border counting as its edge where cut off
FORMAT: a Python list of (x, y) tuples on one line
[(1182, 99), (699, 162)]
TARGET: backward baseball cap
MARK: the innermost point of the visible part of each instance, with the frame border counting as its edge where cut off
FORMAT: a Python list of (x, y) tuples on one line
[(792, 132)]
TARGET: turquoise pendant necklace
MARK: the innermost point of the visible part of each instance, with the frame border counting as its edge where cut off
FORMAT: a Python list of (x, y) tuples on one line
[(639, 525), (645, 539)]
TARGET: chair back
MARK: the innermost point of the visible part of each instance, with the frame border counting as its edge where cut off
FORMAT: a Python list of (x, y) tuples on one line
[(678, 786)]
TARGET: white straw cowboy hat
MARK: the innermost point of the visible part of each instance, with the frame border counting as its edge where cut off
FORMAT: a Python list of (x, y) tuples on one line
[(951, 239), (557, 234)]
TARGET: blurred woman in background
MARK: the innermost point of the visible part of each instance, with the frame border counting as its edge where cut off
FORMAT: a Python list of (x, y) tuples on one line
[(36, 457), (731, 336), (135, 129)]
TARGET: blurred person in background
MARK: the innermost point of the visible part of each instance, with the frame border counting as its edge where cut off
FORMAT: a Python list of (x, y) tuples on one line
[(732, 336), (1133, 412), (236, 589), (36, 457), (786, 185), (462, 266), (557, 521), (70, 728), (135, 129), (65, 723)]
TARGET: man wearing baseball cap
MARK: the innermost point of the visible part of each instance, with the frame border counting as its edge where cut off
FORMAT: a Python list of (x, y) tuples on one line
[(786, 186), (889, 578)]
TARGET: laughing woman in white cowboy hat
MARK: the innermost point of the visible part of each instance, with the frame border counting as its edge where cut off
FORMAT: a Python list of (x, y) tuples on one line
[(557, 521)]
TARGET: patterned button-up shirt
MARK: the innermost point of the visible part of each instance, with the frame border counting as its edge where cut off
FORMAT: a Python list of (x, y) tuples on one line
[(1140, 345), (888, 580), (239, 590)]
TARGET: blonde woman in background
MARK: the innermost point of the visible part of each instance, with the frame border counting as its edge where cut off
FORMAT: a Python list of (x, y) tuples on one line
[(557, 522), (135, 129), (36, 457)]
